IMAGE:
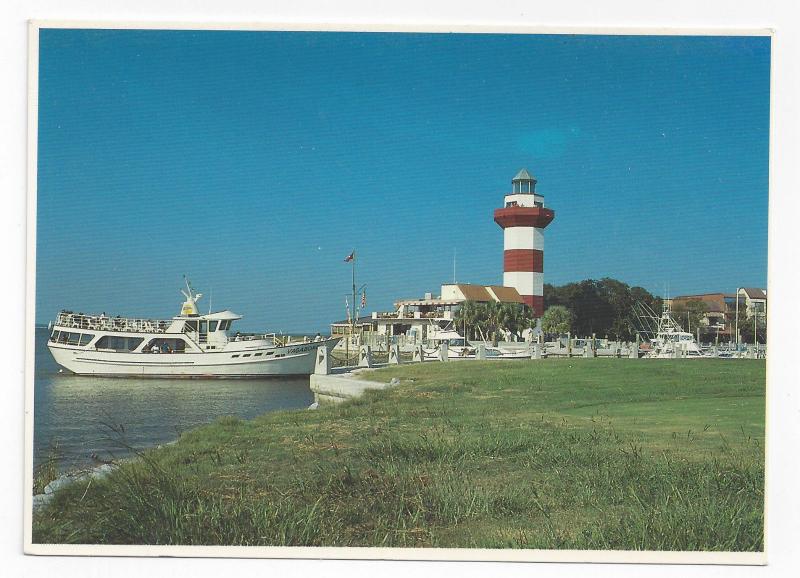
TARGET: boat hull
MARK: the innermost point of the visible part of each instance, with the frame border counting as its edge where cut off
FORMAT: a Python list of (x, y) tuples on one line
[(292, 359)]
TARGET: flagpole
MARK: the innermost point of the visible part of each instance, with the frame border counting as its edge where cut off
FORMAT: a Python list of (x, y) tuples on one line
[(353, 329)]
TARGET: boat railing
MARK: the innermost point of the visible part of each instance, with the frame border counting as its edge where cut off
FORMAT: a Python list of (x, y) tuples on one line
[(105, 323), (252, 337), (279, 340)]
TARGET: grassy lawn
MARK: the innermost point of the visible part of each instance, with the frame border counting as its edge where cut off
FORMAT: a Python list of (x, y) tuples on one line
[(581, 453)]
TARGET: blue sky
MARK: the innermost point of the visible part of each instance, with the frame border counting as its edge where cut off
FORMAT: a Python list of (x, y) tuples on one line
[(254, 162)]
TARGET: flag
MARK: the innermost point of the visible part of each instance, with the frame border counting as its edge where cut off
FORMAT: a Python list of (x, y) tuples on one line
[(350, 257), (363, 299)]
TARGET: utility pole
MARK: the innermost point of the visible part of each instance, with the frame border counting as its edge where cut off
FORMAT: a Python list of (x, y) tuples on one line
[(737, 318)]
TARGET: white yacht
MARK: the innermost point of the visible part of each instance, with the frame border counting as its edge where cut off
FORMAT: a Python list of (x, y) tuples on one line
[(459, 348), (188, 345), (671, 340)]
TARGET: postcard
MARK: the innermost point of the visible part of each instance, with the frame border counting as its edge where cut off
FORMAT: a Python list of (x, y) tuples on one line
[(291, 295)]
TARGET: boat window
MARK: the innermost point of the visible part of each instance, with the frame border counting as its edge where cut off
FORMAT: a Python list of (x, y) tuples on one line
[(212, 326), (73, 338), (54, 335), (246, 355), (62, 337), (86, 338), (190, 326), (203, 326), (118, 343), (165, 345), (223, 325)]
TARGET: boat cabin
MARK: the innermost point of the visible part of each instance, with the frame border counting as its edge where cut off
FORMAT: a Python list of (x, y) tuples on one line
[(208, 331)]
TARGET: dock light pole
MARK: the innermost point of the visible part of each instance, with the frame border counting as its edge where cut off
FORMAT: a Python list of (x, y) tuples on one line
[(737, 318)]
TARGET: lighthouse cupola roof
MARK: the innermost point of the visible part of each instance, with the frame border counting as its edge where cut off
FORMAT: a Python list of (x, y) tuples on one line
[(524, 182)]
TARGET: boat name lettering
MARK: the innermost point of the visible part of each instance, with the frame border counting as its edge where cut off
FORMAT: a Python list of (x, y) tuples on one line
[(294, 350)]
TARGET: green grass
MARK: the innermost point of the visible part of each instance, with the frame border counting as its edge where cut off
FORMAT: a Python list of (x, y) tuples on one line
[(47, 470), (580, 454)]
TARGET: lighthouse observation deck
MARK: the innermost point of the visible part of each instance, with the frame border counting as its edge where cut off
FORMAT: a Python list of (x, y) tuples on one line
[(518, 216)]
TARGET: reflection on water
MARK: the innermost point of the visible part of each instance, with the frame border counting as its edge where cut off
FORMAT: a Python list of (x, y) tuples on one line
[(75, 412)]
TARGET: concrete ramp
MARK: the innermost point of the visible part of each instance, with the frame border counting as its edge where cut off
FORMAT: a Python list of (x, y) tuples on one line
[(337, 388)]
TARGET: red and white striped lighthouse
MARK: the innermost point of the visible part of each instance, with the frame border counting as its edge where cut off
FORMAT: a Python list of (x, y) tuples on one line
[(523, 219)]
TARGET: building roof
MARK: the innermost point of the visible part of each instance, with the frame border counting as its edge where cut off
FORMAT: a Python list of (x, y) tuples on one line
[(474, 292), (715, 302), (427, 302), (365, 320), (702, 296), (754, 293), (506, 294), (523, 175)]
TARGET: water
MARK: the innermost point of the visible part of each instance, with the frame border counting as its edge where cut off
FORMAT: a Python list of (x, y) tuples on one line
[(78, 412)]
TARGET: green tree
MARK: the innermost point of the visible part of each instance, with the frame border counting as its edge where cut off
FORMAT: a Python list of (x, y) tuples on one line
[(604, 307), (690, 314), (746, 323), (467, 318), (515, 318), (557, 320), (486, 320)]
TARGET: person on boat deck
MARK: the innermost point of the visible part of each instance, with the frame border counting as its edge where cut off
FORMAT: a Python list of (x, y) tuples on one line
[(164, 347), (155, 349)]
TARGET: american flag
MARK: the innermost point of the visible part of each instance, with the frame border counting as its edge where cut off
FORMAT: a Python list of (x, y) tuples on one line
[(363, 299), (350, 257)]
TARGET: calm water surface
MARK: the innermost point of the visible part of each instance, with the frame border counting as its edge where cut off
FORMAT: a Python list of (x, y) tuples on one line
[(75, 412)]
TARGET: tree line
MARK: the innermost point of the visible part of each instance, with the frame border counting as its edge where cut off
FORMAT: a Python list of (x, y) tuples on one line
[(602, 307)]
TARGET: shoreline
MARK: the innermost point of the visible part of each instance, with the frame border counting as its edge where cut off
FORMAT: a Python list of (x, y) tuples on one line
[(332, 388)]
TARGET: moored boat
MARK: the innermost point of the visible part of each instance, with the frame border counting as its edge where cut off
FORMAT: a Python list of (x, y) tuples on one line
[(188, 345), (672, 341)]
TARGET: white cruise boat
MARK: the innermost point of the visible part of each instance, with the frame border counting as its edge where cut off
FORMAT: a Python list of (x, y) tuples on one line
[(188, 345)]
